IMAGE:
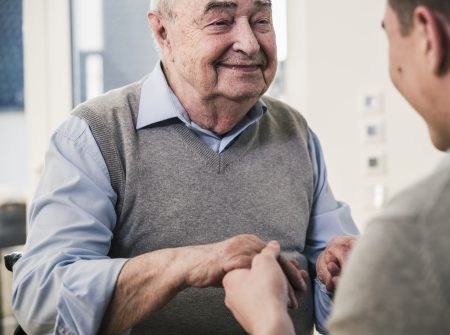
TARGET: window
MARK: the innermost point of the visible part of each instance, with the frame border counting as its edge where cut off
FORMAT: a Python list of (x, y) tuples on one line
[(11, 55), (279, 13), (112, 45)]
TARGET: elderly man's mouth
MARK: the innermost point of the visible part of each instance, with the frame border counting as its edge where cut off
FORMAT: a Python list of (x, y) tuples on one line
[(241, 67)]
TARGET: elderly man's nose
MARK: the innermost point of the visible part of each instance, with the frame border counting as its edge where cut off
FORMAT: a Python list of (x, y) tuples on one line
[(246, 41)]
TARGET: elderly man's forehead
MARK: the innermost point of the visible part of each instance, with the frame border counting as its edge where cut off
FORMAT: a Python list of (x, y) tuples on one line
[(211, 4), (208, 5)]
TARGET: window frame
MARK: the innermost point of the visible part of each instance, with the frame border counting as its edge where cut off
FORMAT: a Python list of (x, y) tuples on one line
[(47, 76)]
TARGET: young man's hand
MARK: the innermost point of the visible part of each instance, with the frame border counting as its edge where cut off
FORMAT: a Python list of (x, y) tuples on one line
[(259, 297)]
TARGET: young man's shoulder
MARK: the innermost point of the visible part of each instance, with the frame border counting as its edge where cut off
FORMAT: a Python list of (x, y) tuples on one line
[(419, 203)]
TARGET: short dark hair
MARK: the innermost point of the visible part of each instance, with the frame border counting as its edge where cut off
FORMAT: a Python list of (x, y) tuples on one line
[(405, 9)]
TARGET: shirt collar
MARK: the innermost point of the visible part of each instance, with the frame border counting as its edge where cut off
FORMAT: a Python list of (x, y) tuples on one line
[(156, 92)]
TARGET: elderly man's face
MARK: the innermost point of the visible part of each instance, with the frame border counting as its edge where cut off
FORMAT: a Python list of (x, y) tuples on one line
[(222, 48)]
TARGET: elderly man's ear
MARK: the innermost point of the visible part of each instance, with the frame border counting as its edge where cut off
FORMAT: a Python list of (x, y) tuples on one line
[(434, 42), (159, 29)]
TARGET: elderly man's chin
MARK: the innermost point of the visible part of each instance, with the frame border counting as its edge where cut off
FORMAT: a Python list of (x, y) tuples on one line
[(243, 93), (243, 88)]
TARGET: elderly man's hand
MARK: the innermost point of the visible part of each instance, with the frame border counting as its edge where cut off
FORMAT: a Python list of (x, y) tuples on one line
[(296, 277), (332, 259), (259, 297), (205, 265)]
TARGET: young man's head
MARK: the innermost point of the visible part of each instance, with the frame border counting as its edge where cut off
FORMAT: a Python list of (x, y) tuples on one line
[(405, 10), (419, 54)]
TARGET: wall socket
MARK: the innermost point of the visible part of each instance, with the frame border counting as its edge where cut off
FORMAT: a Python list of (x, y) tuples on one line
[(374, 164)]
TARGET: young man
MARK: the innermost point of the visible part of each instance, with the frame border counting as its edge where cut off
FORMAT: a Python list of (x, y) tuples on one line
[(397, 278)]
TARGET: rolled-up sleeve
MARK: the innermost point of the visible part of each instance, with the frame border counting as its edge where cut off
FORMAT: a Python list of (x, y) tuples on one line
[(64, 281), (329, 218)]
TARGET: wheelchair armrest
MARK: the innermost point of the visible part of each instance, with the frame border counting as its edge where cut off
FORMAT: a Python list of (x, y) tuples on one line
[(11, 259)]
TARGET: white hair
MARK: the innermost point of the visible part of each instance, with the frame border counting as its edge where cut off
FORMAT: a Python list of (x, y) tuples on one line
[(154, 4), (165, 8), (162, 6)]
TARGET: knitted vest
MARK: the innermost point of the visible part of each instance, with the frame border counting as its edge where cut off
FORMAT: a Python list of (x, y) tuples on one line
[(174, 191)]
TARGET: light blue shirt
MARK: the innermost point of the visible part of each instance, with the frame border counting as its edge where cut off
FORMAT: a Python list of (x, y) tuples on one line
[(65, 273)]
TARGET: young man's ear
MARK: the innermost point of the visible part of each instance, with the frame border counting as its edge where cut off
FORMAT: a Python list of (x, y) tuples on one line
[(158, 25), (434, 43)]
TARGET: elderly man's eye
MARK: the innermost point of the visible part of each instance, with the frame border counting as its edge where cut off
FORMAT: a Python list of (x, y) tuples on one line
[(221, 23), (263, 22)]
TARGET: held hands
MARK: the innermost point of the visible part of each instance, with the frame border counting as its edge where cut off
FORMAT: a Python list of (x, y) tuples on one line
[(259, 296), (331, 261), (205, 265)]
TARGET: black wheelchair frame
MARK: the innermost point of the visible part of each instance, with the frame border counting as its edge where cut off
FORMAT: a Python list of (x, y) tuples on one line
[(10, 260)]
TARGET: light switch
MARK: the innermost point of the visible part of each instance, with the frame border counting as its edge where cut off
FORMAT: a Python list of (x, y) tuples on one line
[(373, 131), (371, 103)]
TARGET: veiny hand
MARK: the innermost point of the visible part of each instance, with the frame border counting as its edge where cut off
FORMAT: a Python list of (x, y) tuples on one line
[(331, 261), (296, 277), (258, 295), (205, 265)]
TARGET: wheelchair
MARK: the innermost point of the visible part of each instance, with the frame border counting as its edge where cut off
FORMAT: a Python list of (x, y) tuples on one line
[(10, 260)]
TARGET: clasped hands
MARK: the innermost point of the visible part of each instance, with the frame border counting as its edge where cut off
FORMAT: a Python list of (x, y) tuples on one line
[(247, 265), (259, 283), (212, 262)]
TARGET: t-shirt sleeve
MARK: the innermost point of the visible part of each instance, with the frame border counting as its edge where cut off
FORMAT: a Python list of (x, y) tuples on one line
[(385, 287)]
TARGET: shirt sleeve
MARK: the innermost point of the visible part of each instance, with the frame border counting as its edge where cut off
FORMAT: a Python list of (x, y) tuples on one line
[(329, 218), (64, 281)]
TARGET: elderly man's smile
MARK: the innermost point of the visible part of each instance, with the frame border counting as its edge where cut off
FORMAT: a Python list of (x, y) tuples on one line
[(241, 68)]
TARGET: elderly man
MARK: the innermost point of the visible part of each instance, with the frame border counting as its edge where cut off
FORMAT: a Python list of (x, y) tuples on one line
[(153, 192), (397, 278)]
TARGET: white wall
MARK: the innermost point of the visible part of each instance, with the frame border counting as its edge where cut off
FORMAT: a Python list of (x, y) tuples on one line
[(337, 50), (48, 77)]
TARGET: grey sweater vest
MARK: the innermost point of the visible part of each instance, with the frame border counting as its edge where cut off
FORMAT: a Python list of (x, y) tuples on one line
[(173, 191)]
